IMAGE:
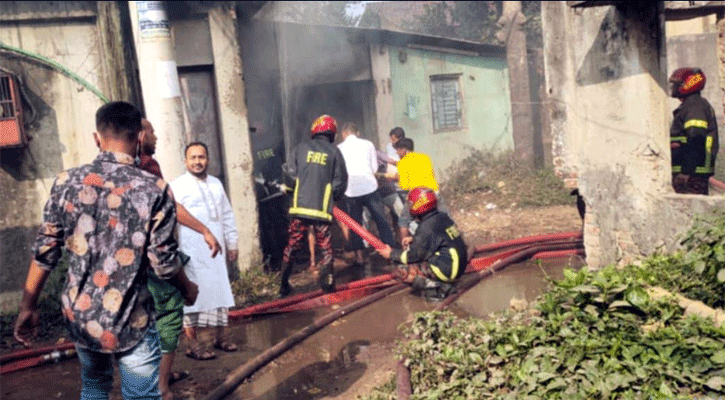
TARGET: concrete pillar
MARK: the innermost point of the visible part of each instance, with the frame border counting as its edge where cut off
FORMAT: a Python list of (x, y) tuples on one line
[(159, 83), (514, 36), (234, 130), (606, 79), (380, 68)]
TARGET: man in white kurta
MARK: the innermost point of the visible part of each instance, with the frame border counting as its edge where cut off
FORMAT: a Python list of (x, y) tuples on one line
[(204, 197)]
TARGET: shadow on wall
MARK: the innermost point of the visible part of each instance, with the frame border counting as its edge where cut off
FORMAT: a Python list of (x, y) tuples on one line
[(616, 54)]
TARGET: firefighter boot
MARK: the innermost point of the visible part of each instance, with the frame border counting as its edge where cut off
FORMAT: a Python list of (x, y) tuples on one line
[(431, 289), (284, 288), (326, 279)]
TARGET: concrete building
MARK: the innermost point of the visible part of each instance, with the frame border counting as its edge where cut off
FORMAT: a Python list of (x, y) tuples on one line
[(606, 76), (57, 52)]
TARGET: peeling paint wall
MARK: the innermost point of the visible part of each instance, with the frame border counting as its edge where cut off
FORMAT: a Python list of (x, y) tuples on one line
[(606, 82), (62, 129)]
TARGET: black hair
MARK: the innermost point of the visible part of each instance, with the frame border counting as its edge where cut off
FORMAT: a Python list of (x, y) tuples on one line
[(404, 143), (120, 119), (192, 144), (398, 132)]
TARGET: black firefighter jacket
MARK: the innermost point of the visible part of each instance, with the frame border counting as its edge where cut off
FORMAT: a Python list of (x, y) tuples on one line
[(694, 127), (438, 242), (321, 178)]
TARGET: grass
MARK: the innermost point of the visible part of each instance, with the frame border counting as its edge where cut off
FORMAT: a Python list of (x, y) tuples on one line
[(505, 179)]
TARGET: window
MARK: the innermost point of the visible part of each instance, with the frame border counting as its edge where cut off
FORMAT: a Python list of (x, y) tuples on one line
[(446, 102), (11, 127)]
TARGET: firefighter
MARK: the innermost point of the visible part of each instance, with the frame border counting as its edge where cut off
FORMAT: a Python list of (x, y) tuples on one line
[(436, 256), (320, 178), (693, 135)]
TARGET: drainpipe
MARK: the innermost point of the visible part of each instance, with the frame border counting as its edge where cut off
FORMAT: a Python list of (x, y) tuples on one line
[(159, 82)]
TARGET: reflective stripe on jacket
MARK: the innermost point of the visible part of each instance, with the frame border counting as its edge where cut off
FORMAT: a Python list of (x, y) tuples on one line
[(438, 242), (694, 129), (321, 178)]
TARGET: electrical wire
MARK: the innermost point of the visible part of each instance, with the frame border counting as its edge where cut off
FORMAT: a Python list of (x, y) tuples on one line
[(58, 66)]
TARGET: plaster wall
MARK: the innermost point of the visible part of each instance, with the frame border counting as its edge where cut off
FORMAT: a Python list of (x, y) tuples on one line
[(486, 103), (61, 133), (610, 123), (234, 129)]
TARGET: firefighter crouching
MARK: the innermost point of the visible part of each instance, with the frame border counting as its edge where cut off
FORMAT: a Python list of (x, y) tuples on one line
[(436, 256), (693, 135)]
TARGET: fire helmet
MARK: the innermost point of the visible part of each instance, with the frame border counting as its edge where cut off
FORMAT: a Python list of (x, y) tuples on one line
[(686, 81), (421, 200), (324, 124)]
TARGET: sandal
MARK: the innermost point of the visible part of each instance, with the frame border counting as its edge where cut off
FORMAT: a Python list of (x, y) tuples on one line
[(226, 346), (197, 352)]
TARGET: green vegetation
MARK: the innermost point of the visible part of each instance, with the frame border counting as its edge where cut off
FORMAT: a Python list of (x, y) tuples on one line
[(593, 335), (255, 286), (504, 179)]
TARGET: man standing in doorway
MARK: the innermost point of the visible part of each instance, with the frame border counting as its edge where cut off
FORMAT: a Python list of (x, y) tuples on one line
[(361, 162), (693, 135), (115, 223), (203, 195)]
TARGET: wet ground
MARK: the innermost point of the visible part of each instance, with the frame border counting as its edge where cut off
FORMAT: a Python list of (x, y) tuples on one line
[(342, 361)]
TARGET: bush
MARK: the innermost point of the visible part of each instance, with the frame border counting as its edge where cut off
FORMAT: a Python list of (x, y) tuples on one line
[(506, 179)]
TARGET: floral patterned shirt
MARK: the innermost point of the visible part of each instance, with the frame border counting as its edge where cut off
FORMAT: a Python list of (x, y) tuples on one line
[(115, 221)]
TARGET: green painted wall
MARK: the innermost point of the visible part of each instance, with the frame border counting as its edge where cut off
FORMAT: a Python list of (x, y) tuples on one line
[(486, 103)]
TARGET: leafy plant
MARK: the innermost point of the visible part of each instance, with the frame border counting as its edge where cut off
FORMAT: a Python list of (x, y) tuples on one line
[(594, 335), (254, 286)]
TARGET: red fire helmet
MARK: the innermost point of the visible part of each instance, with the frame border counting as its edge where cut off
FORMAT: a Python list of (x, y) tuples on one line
[(686, 81), (421, 200), (324, 124)]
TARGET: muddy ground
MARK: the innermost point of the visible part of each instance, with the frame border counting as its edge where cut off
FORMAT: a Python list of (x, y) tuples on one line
[(343, 364)]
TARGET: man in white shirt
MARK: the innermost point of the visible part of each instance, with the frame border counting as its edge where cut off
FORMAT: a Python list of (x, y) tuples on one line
[(361, 161), (204, 197)]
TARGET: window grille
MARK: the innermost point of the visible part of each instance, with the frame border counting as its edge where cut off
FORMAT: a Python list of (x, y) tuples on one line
[(446, 103), (11, 121)]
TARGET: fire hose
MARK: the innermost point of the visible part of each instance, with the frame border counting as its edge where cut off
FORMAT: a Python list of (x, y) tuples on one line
[(303, 301), (346, 292)]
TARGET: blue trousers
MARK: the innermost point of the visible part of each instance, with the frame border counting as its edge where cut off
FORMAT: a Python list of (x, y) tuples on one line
[(139, 369)]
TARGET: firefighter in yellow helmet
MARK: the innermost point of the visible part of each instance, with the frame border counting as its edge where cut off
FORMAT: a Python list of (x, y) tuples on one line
[(693, 135)]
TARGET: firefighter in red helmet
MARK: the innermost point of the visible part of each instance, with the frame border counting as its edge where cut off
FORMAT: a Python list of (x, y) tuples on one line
[(436, 256), (318, 170), (693, 135)]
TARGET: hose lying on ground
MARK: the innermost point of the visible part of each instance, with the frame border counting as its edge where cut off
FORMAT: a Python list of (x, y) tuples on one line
[(237, 376)]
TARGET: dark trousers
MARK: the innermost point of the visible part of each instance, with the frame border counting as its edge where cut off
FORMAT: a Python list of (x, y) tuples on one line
[(374, 204), (695, 184)]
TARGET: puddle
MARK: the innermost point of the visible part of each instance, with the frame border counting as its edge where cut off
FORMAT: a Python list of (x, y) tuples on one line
[(519, 281), (347, 358)]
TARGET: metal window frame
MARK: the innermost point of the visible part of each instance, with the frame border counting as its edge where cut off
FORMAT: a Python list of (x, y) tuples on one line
[(460, 107), (11, 113)]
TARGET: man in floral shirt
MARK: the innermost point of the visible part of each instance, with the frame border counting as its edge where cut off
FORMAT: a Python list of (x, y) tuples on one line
[(115, 222)]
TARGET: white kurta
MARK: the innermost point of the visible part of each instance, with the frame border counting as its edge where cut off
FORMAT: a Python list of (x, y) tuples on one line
[(207, 201)]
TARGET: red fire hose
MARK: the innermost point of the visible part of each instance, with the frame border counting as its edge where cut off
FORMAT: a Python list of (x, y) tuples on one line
[(243, 372), (526, 240), (352, 224), (717, 184)]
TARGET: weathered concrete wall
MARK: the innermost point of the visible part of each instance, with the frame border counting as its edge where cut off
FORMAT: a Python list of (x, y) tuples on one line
[(234, 129), (62, 128), (606, 79), (484, 87)]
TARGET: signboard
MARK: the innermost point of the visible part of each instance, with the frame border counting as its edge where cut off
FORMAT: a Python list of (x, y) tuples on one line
[(152, 20)]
